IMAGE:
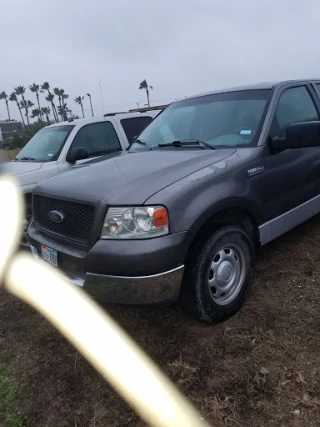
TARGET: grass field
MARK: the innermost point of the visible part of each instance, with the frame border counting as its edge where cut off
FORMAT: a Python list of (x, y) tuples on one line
[(260, 368)]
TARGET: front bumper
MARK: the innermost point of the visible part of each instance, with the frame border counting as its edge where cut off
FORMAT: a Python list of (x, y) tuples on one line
[(158, 288), (127, 272)]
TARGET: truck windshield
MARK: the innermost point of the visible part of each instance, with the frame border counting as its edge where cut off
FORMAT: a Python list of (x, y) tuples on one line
[(45, 145), (226, 119)]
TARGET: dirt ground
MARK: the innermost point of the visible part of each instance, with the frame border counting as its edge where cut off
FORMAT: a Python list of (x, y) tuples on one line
[(260, 368)]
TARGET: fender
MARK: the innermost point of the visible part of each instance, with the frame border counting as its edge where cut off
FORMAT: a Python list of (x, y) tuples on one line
[(228, 203), (191, 204)]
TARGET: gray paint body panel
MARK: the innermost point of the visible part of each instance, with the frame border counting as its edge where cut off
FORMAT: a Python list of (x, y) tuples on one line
[(285, 222)]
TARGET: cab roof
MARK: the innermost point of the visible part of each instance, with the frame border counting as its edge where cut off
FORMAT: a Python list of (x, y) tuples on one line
[(256, 86), (119, 116)]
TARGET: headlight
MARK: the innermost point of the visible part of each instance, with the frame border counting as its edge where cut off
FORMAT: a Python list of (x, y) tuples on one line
[(135, 223)]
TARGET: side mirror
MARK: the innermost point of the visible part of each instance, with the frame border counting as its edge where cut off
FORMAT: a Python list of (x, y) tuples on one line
[(299, 135), (77, 153)]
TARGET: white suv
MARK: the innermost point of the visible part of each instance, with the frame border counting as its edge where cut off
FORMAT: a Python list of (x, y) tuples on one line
[(62, 145)]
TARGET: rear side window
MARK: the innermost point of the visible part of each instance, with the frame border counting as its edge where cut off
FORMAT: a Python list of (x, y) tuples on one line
[(295, 105), (134, 126), (98, 139)]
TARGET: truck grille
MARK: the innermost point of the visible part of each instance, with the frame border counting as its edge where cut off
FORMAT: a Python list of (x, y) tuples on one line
[(77, 217)]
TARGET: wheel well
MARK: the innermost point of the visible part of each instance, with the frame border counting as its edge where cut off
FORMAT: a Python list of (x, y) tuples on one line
[(235, 216)]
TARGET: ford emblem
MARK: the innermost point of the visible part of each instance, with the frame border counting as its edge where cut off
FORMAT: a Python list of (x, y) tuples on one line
[(56, 216)]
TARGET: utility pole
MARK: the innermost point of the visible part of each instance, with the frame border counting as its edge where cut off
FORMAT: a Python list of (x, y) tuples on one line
[(101, 98)]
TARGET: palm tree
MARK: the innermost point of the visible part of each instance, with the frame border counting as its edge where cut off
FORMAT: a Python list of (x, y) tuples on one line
[(4, 96), (50, 99), (26, 105), (13, 98), (29, 104), (35, 89), (64, 96), (144, 85), (46, 111), (78, 100), (65, 108), (36, 113), (63, 111), (58, 93), (46, 86), (20, 90), (89, 96)]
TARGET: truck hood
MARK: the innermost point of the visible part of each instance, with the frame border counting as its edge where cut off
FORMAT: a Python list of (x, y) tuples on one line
[(18, 168), (129, 177)]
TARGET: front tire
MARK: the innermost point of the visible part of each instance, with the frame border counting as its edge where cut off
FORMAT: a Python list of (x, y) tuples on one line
[(24, 242), (218, 274)]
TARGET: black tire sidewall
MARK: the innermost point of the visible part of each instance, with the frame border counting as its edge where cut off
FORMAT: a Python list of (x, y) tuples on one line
[(23, 244), (207, 309)]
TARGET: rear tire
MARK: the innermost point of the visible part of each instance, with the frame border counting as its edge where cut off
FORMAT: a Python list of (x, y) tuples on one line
[(218, 274)]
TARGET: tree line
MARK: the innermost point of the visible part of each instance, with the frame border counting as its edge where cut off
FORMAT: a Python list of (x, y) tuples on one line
[(59, 112)]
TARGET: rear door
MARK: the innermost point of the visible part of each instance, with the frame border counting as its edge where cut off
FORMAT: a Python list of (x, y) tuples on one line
[(133, 126), (292, 176)]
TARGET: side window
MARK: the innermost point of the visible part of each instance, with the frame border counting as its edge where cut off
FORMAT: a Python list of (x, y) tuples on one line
[(295, 105), (98, 139), (134, 126)]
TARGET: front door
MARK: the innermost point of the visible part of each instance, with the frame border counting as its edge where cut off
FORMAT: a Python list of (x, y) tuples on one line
[(98, 139), (292, 175)]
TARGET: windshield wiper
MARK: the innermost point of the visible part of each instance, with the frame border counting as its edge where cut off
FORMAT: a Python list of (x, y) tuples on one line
[(187, 143), (141, 142), (25, 159)]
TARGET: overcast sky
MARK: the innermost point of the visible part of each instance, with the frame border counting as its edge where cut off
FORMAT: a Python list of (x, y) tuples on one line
[(180, 47)]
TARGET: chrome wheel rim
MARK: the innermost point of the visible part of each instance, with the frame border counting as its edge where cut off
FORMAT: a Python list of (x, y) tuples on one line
[(227, 274)]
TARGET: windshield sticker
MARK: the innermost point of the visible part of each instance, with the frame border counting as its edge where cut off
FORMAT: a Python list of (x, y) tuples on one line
[(50, 154), (245, 132)]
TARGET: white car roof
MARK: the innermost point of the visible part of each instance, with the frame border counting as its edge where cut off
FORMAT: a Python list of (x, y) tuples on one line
[(117, 116)]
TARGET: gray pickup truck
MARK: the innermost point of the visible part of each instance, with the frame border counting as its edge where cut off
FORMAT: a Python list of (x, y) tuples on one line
[(183, 211)]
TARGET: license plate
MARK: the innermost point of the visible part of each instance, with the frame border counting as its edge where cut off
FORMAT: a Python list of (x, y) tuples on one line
[(49, 255)]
